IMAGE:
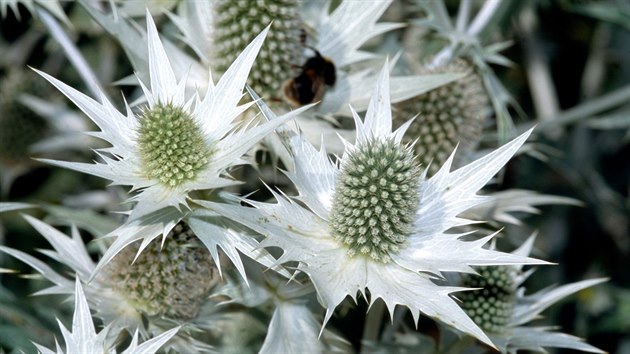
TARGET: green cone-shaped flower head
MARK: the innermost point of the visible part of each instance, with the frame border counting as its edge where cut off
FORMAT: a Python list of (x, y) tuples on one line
[(376, 199), (170, 280), (491, 306), (172, 145), (238, 22), (20, 127), (449, 115)]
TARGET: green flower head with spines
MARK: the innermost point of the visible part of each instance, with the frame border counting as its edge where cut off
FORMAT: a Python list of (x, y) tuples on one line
[(172, 145), (238, 22), (376, 199), (490, 306), (448, 116), (184, 141)]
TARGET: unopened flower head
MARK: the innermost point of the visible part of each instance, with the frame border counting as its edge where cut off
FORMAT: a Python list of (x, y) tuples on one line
[(178, 276), (449, 116), (238, 22), (172, 280), (491, 305)]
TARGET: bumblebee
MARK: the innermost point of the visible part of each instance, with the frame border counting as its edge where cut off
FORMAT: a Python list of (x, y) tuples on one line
[(318, 73)]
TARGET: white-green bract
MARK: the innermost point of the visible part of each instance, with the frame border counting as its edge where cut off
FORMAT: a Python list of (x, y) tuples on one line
[(84, 339), (177, 144), (399, 268)]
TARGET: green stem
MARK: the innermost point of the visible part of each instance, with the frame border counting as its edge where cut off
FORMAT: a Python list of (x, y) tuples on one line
[(483, 17)]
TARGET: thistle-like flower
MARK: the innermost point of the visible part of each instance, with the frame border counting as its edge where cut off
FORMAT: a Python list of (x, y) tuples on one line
[(337, 35), (464, 42), (84, 339), (177, 144), (501, 308), (372, 223)]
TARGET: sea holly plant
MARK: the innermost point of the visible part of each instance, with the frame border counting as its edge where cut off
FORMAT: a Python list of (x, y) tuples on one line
[(177, 144), (377, 193), (463, 35), (372, 223), (218, 31)]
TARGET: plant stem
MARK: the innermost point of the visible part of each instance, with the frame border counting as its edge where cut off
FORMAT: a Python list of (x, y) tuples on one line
[(483, 17), (463, 15), (589, 109)]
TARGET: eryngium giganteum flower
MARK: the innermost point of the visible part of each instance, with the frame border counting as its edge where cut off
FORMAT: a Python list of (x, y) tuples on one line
[(500, 307), (236, 24), (448, 116), (172, 279), (372, 222), (180, 142)]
